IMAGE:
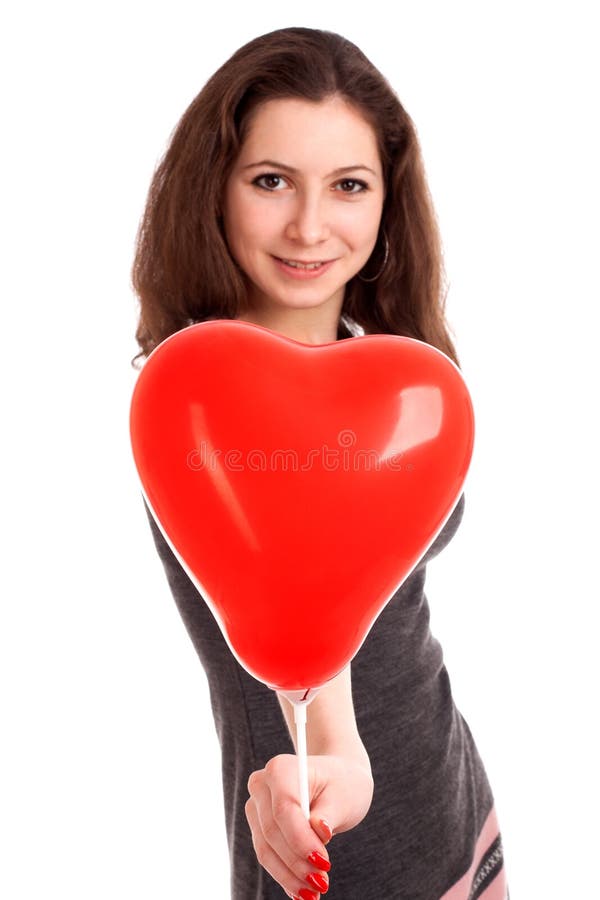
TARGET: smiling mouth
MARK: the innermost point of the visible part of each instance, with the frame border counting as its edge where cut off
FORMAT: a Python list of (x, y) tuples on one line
[(297, 264)]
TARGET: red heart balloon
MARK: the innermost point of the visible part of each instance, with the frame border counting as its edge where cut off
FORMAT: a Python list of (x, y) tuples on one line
[(298, 484)]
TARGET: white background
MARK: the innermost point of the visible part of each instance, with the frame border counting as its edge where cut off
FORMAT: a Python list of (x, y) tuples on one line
[(110, 766)]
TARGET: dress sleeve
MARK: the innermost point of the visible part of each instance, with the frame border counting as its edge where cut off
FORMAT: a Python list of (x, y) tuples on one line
[(177, 577), (447, 532)]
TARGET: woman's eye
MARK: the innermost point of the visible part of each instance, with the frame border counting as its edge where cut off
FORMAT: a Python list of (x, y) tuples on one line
[(271, 182), (353, 183)]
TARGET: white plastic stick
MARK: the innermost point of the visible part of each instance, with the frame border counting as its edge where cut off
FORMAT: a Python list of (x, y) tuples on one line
[(300, 720)]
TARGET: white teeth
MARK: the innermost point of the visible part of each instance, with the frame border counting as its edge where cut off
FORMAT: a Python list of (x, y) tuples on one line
[(297, 265)]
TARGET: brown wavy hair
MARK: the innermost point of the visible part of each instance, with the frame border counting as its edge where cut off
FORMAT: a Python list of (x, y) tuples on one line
[(183, 271)]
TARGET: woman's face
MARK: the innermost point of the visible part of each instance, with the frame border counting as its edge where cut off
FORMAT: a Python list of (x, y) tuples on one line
[(307, 188)]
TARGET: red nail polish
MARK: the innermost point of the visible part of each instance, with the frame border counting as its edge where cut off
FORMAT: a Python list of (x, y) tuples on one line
[(305, 894), (327, 829), (318, 881), (319, 861)]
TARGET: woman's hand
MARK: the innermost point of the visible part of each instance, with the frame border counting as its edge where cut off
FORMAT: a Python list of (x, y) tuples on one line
[(291, 849)]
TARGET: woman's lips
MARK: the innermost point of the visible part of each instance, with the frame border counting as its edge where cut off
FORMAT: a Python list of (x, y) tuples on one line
[(300, 272)]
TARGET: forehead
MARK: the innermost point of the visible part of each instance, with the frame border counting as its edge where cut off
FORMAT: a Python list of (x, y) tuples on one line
[(301, 131)]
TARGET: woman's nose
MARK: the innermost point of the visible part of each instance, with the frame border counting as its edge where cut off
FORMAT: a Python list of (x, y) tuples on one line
[(308, 222)]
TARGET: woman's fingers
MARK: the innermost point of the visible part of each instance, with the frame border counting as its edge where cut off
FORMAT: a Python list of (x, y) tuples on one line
[(265, 853), (304, 879), (285, 843), (288, 846)]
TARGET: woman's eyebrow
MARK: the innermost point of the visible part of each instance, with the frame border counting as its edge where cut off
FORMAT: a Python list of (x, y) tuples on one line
[(279, 165)]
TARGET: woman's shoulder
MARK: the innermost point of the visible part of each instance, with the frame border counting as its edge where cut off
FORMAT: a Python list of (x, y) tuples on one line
[(447, 532)]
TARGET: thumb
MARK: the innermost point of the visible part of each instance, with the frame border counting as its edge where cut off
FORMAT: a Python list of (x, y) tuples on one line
[(321, 826)]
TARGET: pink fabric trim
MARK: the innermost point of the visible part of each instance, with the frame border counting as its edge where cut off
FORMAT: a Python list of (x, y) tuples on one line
[(497, 890)]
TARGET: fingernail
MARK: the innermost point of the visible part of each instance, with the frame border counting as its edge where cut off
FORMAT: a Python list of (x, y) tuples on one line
[(327, 828), (318, 881), (305, 894), (319, 861)]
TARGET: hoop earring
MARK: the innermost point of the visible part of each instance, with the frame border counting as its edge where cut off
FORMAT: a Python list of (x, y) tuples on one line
[(385, 259)]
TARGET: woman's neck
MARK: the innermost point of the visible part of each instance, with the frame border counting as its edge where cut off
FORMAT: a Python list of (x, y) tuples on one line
[(298, 325)]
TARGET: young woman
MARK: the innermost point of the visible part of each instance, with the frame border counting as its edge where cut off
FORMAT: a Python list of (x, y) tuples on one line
[(292, 195)]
